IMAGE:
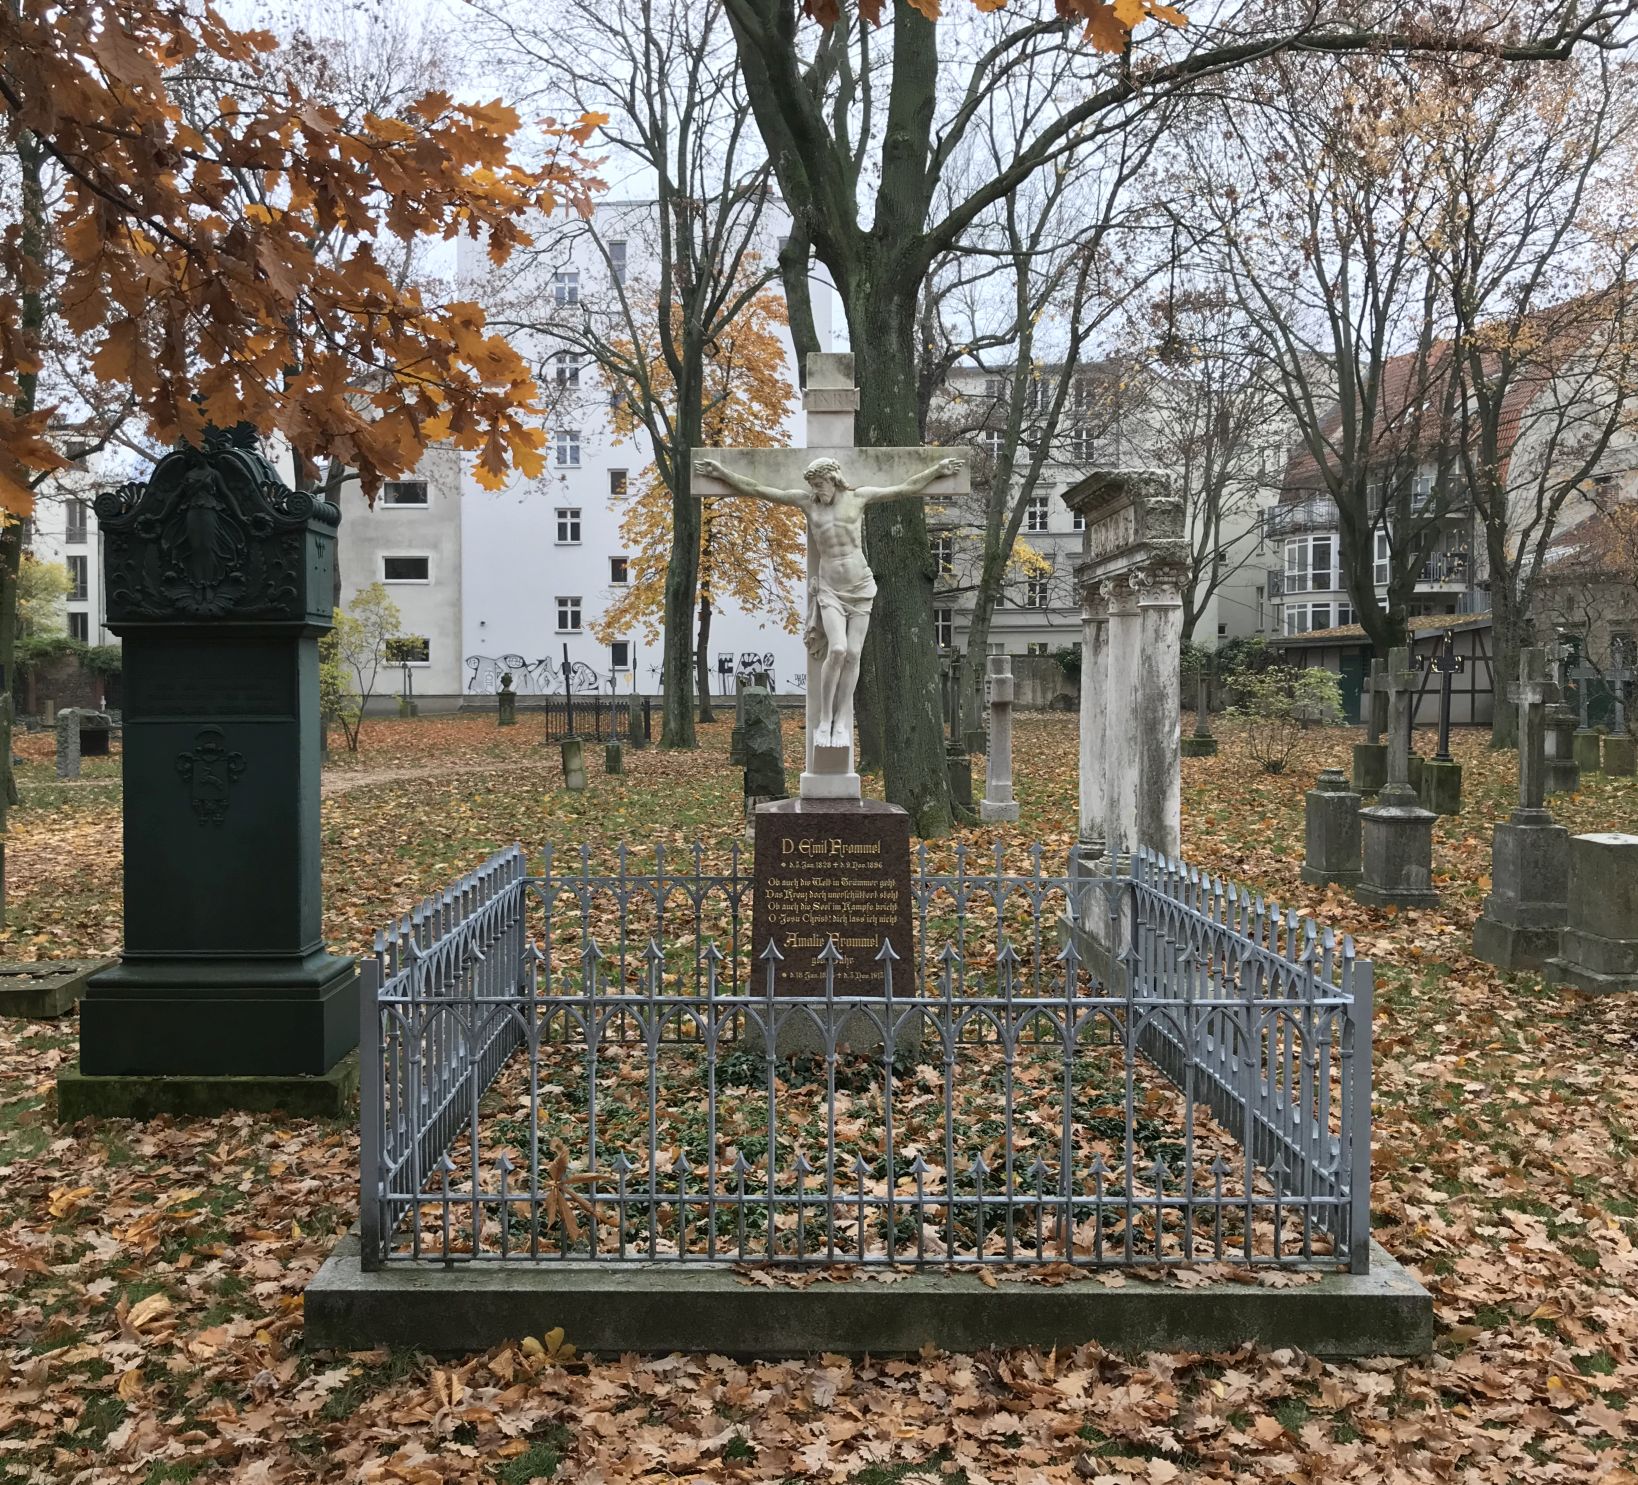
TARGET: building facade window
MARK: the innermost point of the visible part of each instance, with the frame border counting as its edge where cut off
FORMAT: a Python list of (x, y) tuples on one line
[(76, 513), (1037, 592), (568, 616), (566, 443), (568, 525), (566, 369), (944, 553), (619, 571), (617, 482), (1035, 513), (409, 649), (1036, 647), (79, 626), (1081, 445), (405, 494), (620, 655), (1381, 560), (993, 439), (79, 579), (1310, 564), (1304, 618), (944, 627), (617, 261), (566, 286), (406, 569)]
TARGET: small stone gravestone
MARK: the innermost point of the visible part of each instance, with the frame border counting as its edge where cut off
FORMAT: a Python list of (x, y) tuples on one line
[(1371, 756), (1621, 754), (1563, 772), (1333, 832), (506, 699), (634, 723), (95, 730), (1598, 950), (614, 758), (574, 764), (68, 743), (1201, 744)]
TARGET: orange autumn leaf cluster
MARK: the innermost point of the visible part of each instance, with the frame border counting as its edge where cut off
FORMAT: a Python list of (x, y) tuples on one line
[(1109, 23), (199, 259)]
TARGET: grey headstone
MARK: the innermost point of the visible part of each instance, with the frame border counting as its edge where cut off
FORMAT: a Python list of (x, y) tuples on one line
[(614, 758), (1333, 832), (1598, 951), (574, 764), (68, 743)]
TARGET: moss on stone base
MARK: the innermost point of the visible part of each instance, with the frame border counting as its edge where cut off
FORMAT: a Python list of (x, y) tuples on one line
[(333, 1095)]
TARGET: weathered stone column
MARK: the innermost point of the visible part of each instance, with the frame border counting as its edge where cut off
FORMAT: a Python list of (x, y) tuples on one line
[(998, 803), (1530, 855), (68, 743), (1120, 750), (1333, 832), (1397, 832), (1371, 756), (219, 580), (1158, 720), (1094, 770), (1563, 772)]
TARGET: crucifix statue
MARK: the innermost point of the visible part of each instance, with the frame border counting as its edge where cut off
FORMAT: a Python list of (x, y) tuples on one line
[(832, 483), (841, 586)]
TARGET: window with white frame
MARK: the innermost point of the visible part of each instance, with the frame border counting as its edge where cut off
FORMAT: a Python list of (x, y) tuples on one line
[(1077, 520), (1035, 513), (566, 442), (1037, 592), (77, 511), (620, 654), (79, 626), (1036, 647), (617, 482), (1081, 445), (617, 260), (944, 627), (993, 440), (405, 494), (1310, 565), (1381, 560), (994, 387), (408, 649), (566, 286), (79, 579), (568, 525), (568, 616), (566, 369), (406, 569), (1303, 618), (619, 571), (944, 553)]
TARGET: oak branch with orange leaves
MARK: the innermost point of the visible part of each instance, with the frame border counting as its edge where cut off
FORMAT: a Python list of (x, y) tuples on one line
[(192, 246)]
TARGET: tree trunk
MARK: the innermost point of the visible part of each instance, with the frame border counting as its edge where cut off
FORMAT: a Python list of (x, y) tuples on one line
[(682, 583), (702, 659), (1507, 636), (881, 320)]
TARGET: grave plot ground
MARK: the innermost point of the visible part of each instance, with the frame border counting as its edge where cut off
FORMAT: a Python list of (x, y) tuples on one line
[(153, 1273)]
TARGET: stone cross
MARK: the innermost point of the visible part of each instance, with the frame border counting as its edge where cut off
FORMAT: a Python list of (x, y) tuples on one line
[(1620, 677), (1376, 710), (1532, 694), (1583, 675), (1446, 663), (827, 480), (1401, 683), (998, 803)]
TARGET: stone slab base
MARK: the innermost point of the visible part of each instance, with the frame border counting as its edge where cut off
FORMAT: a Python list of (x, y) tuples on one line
[(1390, 897), (997, 809), (1621, 755), (1509, 946), (1587, 750), (331, 1095), (652, 1308), (1198, 747), (1588, 981), (1317, 878), (1441, 790), (44, 987)]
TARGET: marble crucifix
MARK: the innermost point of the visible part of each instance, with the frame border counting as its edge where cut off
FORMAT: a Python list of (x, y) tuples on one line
[(832, 482)]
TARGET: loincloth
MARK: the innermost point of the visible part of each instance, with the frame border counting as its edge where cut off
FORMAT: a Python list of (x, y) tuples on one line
[(852, 601)]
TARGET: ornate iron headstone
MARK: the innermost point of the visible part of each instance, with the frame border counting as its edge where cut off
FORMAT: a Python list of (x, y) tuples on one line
[(219, 580), (1441, 786)]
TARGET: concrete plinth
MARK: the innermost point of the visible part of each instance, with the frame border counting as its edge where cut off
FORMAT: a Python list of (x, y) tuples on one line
[(1563, 773), (1333, 832), (1586, 750), (1621, 755), (614, 1308), (1598, 950), (1196, 746), (332, 1094), (1398, 853), (44, 987), (614, 758), (574, 764), (1529, 895), (1370, 767), (1441, 790)]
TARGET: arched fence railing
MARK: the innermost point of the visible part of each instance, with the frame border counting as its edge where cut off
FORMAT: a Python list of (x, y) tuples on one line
[(594, 1062)]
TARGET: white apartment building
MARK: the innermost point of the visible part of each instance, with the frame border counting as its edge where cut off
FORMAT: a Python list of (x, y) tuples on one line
[(488, 578), (65, 530)]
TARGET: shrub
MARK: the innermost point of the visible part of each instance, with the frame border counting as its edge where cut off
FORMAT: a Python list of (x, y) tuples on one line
[(1278, 705)]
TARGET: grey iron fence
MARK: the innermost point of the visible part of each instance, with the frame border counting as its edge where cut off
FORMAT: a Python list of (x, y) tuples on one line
[(598, 1065)]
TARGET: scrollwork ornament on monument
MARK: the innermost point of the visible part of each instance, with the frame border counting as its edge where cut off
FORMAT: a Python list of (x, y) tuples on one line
[(212, 533), (210, 771)]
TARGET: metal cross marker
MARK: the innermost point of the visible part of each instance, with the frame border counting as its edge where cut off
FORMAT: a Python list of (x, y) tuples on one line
[(1446, 663), (1583, 675), (1532, 692), (1620, 677)]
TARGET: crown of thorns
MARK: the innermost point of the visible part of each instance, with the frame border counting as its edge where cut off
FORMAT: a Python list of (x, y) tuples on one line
[(825, 468)]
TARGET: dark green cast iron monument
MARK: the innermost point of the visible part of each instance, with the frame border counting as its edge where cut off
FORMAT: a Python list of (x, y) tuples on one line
[(219, 581)]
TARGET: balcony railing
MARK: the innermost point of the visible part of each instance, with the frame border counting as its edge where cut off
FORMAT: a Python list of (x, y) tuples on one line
[(1317, 514)]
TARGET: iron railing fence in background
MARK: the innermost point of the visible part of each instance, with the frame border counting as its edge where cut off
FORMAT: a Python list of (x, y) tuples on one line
[(599, 1066), (603, 718)]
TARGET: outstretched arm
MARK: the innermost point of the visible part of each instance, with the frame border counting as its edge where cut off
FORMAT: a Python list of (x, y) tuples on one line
[(739, 485), (913, 486)]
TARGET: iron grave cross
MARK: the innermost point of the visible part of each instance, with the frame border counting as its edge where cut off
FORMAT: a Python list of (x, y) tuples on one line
[(1532, 692), (832, 482)]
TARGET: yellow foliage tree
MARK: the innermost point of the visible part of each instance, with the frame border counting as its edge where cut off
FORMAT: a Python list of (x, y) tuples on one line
[(751, 551)]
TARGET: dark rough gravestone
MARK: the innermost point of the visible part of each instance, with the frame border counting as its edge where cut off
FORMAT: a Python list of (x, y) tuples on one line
[(96, 728), (220, 581), (614, 758), (764, 748), (506, 700), (1586, 750), (958, 767), (1441, 787), (834, 870), (68, 743), (1621, 755), (1333, 832)]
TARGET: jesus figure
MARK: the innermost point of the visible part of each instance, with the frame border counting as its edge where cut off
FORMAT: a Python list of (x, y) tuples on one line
[(841, 586)]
